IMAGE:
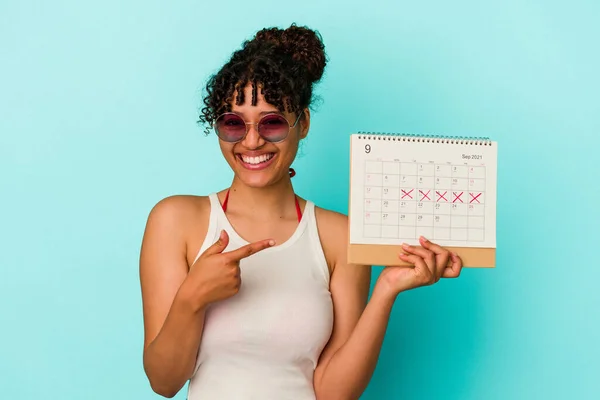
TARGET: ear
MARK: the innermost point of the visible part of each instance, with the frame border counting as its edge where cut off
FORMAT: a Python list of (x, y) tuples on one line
[(305, 123)]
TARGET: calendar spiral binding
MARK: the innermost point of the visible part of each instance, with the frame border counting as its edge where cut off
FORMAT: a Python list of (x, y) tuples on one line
[(408, 137)]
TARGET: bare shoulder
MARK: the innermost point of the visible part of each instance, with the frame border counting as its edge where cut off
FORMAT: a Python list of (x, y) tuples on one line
[(180, 207), (333, 232), (183, 217)]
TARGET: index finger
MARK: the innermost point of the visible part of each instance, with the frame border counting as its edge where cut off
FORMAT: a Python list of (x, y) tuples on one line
[(249, 249)]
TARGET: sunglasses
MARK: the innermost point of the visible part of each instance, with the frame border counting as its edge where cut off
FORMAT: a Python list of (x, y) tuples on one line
[(272, 127)]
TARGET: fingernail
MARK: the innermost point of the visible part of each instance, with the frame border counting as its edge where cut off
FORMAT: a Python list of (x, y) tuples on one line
[(271, 243), (424, 239), (222, 234), (405, 246)]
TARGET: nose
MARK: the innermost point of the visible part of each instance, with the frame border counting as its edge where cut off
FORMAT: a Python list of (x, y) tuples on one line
[(252, 139)]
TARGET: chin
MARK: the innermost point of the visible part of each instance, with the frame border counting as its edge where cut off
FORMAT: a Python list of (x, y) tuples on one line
[(257, 179)]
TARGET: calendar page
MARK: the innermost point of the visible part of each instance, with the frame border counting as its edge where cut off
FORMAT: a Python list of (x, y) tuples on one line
[(402, 189)]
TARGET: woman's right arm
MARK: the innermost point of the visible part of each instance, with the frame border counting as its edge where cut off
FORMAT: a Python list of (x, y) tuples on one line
[(173, 316), (175, 296)]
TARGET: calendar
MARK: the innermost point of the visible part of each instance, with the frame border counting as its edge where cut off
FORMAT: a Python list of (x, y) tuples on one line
[(403, 187)]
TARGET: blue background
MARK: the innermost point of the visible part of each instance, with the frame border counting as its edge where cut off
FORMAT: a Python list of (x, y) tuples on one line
[(98, 108)]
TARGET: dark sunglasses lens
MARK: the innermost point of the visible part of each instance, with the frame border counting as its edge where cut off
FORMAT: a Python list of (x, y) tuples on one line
[(230, 127), (273, 128)]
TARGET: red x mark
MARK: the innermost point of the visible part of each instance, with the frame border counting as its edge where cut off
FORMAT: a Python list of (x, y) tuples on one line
[(425, 195), (457, 197), (405, 193), (474, 198), (441, 196)]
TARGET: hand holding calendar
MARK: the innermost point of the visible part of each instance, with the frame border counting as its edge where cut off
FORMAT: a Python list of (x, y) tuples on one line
[(429, 263)]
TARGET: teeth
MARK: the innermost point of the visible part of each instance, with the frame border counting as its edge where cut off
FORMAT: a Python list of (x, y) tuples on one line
[(258, 159)]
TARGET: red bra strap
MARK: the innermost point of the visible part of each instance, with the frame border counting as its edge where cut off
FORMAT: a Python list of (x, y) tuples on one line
[(225, 201), (298, 209)]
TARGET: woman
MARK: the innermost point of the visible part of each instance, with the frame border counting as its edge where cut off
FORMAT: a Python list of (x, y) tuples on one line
[(247, 292)]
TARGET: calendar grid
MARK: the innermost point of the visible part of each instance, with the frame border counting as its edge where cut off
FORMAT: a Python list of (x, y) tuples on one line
[(404, 200)]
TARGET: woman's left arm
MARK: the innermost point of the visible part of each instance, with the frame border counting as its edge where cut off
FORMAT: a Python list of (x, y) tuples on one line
[(349, 359)]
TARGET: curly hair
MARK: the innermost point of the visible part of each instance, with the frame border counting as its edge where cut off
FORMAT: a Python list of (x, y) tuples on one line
[(284, 63)]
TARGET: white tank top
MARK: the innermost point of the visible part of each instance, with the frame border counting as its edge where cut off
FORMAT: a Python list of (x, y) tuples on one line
[(264, 342)]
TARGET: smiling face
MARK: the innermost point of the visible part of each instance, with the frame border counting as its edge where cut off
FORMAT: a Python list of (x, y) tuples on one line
[(255, 161)]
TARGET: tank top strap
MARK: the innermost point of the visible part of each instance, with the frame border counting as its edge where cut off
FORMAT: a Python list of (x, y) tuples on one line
[(315, 241), (213, 230), (215, 204), (309, 208)]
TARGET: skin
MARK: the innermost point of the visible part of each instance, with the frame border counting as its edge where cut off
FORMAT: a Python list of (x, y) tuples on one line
[(176, 290)]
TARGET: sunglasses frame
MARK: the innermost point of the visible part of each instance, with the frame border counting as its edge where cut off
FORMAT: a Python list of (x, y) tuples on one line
[(256, 124)]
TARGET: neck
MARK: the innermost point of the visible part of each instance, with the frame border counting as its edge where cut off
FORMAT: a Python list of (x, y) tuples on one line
[(276, 200)]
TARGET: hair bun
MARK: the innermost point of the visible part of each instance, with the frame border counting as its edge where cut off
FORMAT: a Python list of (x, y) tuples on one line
[(303, 44)]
